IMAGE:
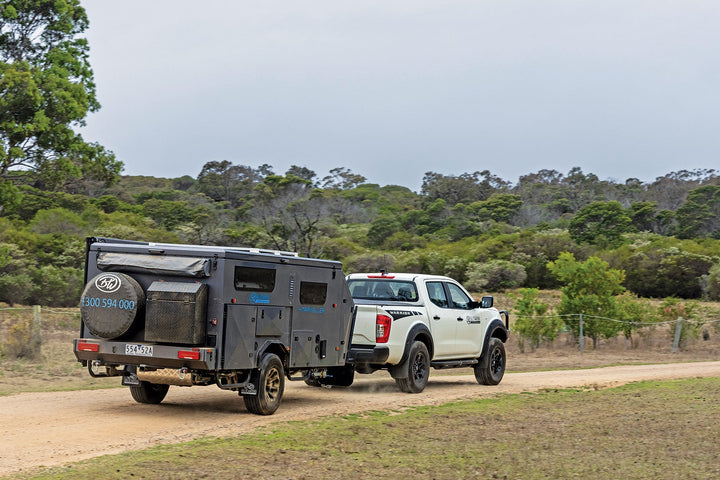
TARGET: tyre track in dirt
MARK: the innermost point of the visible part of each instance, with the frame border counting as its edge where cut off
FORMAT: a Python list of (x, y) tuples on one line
[(55, 428)]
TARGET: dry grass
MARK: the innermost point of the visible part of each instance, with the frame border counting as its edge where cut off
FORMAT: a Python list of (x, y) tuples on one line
[(651, 430), (56, 367)]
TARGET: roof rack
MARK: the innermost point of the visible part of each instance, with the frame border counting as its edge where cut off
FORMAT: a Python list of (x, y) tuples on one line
[(265, 251), (281, 253)]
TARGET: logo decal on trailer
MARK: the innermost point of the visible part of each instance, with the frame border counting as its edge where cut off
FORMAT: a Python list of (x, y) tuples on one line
[(259, 298), (108, 283)]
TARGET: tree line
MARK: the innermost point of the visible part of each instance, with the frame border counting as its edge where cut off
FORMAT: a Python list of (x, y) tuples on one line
[(488, 241)]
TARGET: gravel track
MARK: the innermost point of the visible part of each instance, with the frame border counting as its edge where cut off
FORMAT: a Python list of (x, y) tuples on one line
[(55, 428)]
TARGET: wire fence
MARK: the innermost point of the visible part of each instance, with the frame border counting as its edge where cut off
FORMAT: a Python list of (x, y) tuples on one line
[(24, 326), (680, 323)]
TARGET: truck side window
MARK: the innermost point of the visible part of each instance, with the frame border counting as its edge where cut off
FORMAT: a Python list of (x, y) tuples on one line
[(459, 298), (254, 279), (312, 293), (437, 294)]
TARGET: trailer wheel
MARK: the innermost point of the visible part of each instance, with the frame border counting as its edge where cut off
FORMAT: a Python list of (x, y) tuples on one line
[(147, 392), (109, 304), (491, 369), (269, 381), (418, 369)]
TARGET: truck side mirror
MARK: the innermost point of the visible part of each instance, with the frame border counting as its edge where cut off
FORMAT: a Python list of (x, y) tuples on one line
[(486, 302)]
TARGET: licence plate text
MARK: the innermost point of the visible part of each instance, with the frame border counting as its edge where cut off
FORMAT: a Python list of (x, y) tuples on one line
[(134, 349)]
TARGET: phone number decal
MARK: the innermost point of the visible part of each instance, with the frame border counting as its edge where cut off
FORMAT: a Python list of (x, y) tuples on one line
[(122, 304)]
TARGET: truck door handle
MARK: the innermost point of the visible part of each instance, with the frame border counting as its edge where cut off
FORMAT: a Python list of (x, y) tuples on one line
[(436, 317), (460, 319)]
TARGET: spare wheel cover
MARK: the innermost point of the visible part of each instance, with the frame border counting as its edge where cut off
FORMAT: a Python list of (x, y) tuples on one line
[(110, 303)]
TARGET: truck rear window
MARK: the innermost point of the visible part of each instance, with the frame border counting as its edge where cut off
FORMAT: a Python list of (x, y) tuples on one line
[(376, 289), (254, 279)]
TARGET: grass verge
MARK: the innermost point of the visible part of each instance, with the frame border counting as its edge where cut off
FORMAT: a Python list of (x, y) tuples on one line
[(647, 430)]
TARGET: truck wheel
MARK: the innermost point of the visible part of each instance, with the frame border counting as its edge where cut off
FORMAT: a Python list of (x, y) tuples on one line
[(147, 392), (109, 304), (418, 369), (269, 381), (490, 370)]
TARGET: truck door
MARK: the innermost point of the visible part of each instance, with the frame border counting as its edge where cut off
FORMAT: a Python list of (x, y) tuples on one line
[(470, 332), (443, 320)]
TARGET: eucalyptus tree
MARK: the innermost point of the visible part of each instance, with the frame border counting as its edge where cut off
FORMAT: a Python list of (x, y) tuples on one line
[(46, 91)]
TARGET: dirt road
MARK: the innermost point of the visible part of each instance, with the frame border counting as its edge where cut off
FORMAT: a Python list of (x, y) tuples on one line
[(55, 428)]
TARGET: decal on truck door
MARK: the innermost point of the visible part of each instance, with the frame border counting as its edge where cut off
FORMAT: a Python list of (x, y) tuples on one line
[(398, 314)]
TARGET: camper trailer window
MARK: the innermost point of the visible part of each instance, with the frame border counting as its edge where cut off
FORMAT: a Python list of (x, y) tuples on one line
[(312, 293), (254, 279)]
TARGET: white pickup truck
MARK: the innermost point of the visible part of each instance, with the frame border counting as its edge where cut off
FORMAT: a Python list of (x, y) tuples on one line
[(408, 322)]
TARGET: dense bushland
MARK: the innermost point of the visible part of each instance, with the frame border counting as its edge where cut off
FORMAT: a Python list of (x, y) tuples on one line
[(475, 227)]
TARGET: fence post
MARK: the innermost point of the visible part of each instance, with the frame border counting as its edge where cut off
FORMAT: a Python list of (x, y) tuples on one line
[(582, 341), (36, 336), (678, 330)]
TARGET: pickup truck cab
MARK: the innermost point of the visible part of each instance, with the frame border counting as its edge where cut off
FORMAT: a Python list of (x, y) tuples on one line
[(423, 321)]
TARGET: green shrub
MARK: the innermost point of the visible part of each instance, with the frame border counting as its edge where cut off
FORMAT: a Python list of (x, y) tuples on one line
[(590, 288), (15, 288), (531, 324), (494, 275), (711, 283)]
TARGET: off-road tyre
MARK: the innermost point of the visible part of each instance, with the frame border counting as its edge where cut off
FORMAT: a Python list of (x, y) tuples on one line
[(146, 392), (110, 303), (491, 368), (418, 369), (269, 381)]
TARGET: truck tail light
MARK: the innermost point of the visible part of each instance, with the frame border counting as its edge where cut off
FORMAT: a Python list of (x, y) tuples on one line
[(88, 347), (382, 328), (189, 355)]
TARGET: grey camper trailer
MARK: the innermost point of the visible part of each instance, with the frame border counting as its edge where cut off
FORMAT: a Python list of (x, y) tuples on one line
[(242, 319)]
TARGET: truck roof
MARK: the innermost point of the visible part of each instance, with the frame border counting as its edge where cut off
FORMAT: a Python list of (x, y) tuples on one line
[(397, 276)]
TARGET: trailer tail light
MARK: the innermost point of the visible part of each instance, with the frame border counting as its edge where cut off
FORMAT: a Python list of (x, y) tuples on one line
[(88, 347), (382, 328), (189, 355)]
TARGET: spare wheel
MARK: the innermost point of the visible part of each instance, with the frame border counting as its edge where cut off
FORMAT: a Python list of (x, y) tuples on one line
[(110, 303)]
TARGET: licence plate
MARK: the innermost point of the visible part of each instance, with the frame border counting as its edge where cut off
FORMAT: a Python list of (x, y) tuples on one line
[(134, 349)]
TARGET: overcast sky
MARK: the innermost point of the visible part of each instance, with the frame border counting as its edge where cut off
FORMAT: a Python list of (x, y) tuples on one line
[(393, 89)]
